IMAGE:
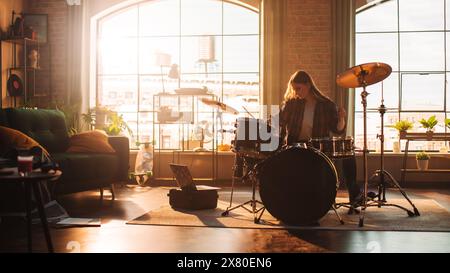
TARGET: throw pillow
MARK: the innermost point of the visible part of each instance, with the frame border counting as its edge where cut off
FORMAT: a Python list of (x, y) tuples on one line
[(90, 142), (11, 139)]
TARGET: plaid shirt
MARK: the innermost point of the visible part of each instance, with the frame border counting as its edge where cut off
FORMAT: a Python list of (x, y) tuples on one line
[(325, 119)]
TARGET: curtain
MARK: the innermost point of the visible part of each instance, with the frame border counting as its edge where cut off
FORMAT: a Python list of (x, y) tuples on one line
[(343, 18), (74, 51), (273, 37), (76, 57)]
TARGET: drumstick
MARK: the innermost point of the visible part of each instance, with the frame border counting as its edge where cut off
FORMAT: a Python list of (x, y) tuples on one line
[(341, 99), (248, 112)]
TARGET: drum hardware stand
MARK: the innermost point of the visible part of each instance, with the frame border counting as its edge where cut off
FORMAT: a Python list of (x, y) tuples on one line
[(382, 173), (352, 207), (252, 202), (361, 77), (335, 208), (364, 94)]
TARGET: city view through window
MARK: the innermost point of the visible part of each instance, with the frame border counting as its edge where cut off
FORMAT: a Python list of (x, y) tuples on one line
[(142, 52), (412, 36)]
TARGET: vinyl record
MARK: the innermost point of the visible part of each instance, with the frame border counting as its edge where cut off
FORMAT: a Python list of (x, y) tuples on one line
[(15, 86)]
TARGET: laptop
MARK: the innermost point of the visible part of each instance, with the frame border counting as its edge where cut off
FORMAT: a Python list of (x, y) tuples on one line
[(184, 178)]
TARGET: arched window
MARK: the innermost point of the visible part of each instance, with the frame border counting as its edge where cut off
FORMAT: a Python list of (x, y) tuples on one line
[(214, 44), (412, 36)]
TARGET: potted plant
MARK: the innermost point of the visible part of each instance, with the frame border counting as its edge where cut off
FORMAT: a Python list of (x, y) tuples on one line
[(115, 125), (422, 159), (429, 125), (109, 121), (444, 149), (96, 117), (403, 126)]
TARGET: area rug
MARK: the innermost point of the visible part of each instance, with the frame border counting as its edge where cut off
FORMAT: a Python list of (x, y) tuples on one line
[(433, 217)]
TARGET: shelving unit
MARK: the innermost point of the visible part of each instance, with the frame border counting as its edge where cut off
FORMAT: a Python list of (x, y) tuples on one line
[(193, 111), (20, 49), (420, 137)]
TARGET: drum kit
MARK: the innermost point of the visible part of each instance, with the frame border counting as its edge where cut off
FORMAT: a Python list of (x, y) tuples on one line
[(298, 183)]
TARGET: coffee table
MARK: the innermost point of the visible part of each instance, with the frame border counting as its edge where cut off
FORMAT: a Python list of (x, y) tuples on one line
[(32, 181)]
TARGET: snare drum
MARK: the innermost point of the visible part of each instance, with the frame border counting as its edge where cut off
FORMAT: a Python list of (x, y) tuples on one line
[(335, 147)]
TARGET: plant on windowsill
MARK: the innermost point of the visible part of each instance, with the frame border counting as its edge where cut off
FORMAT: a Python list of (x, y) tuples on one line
[(402, 127), (429, 123), (422, 160), (444, 149)]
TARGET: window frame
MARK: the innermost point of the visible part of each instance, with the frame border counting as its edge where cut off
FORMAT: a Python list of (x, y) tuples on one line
[(398, 32), (96, 76)]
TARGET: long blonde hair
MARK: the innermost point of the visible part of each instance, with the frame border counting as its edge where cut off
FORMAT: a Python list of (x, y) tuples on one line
[(301, 76)]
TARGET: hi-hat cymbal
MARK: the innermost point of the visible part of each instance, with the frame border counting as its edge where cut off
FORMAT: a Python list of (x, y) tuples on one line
[(364, 75), (222, 106)]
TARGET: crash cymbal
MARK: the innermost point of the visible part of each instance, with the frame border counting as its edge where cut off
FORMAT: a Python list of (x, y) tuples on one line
[(363, 75), (222, 106)]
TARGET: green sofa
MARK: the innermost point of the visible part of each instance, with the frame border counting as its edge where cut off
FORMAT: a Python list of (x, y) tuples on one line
[(81, 171)]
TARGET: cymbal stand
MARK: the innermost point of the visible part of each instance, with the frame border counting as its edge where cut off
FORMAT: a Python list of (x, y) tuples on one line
[(381, 196), (382, 173), (220, 118), (257, 212), (364, 94)]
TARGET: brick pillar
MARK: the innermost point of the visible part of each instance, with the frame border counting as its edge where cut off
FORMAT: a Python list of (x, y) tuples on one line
[(309, 40)]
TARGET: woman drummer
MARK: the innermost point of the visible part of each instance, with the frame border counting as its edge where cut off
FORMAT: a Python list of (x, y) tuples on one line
[(308, 113)]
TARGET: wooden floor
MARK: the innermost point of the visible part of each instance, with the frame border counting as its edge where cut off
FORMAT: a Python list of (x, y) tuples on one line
[(115, 236)]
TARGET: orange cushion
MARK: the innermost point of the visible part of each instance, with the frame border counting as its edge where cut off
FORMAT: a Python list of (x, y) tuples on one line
[(90, 142), (13, 139)]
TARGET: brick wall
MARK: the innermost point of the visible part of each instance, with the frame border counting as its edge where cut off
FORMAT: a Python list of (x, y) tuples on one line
[(309, 40), (57, 37)]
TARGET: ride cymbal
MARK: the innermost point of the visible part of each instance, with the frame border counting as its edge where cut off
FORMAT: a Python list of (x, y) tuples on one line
[(363, 75)]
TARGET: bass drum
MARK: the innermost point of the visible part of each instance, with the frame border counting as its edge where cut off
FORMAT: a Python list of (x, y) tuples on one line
[(298, 185)]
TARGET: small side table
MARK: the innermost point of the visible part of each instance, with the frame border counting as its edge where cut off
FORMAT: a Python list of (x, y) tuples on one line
[(420, 137), (33, 182)]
